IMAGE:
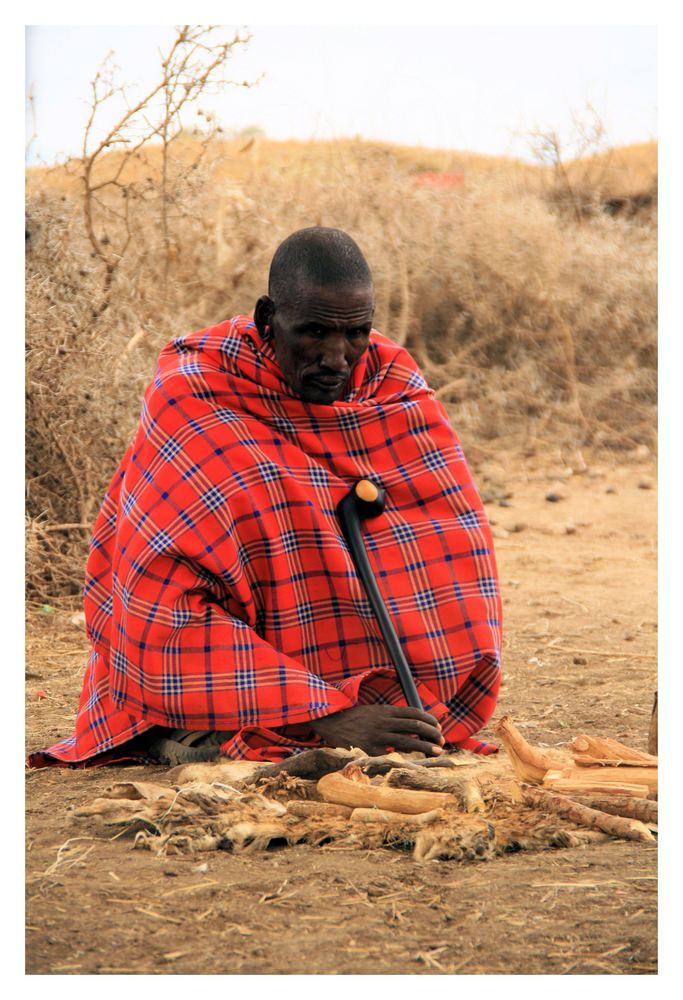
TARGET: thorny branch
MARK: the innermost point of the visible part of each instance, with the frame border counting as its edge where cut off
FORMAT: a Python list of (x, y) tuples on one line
[(192, 66)]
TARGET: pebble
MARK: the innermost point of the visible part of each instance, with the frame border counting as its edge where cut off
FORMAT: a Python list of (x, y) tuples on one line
[(610, 489), (554, 497), (581, 660), (645, 484)]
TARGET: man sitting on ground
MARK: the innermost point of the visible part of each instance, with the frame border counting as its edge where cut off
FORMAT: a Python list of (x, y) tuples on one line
[(221, 601)]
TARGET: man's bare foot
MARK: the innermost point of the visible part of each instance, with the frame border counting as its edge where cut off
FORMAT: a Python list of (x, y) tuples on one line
[(373, 728)]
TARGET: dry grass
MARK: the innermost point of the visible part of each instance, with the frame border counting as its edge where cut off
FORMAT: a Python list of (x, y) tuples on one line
[(531, 325)]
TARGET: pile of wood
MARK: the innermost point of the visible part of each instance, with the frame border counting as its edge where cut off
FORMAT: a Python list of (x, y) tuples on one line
[(608, 786), (457, 806)]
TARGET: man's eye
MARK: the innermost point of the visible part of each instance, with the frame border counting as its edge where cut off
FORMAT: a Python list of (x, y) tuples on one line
[(360, 332)]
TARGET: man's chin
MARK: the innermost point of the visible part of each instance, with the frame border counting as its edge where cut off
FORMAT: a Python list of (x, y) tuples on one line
[(321, 395), (321, 399)]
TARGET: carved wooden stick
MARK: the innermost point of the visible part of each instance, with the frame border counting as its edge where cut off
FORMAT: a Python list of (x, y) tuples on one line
[(621, 805), (338, 788), (638, 781), (594, 819), (533, 766), (529, 763), (595, 749), (466, 790)]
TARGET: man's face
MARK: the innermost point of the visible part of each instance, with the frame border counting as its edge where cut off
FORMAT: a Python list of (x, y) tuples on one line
[(318, 335)]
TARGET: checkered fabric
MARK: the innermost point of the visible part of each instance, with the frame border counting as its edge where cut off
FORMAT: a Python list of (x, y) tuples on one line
[(220, 593)]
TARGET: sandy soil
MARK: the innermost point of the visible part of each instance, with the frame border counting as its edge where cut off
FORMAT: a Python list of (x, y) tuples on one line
[(579, 577)]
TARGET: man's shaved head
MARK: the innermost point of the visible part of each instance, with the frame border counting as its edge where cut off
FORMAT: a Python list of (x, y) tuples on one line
[(318, 312), (319, 258)]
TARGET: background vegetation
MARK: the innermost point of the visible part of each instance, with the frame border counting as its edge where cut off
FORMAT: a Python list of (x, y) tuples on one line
[(528, 293)]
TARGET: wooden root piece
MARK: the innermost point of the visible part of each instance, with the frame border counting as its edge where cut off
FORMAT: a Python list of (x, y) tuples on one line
[(594, 819), (465, 790), (529, 763), (364, 815), (310, 764), (637, 781), (306, 808), (373, 766), (339, 788), (591, 750), (621, 805), (585, 760), (652, 734)]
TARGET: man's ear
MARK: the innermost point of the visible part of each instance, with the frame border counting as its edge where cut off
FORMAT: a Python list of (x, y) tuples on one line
[(263, 311)]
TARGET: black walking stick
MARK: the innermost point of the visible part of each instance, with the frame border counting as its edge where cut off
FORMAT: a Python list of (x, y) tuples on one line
[(367, 500)]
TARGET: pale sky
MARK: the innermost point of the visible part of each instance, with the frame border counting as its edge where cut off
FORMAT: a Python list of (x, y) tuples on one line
[(467, 87)]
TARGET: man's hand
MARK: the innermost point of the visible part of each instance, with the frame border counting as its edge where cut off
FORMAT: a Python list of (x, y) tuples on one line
[(373, 728)]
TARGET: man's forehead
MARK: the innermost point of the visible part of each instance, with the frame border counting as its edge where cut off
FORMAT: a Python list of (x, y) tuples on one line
[(355, 301)]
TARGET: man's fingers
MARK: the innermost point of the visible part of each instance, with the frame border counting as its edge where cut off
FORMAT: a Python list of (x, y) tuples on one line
[(405, 711), (410, 744), (376, 727), (424, 730)]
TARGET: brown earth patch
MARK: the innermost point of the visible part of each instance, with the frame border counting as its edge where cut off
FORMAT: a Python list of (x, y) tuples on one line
[(578, 576)]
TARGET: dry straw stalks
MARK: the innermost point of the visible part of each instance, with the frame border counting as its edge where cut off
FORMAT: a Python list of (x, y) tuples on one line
[(530, 325)]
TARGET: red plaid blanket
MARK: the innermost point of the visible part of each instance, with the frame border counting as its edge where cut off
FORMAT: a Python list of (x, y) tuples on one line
[(219, 591)]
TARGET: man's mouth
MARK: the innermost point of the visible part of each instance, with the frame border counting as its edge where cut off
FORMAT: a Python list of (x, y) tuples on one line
[(323, 388), (329, 383)]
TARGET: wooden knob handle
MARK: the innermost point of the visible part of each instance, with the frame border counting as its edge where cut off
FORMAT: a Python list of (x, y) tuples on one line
[(365, 490)]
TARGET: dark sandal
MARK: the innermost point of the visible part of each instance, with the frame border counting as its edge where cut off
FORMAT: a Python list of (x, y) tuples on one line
[(182, 746)]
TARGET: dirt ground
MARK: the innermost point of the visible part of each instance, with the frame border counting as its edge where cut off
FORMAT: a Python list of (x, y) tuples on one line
[(579, 583)]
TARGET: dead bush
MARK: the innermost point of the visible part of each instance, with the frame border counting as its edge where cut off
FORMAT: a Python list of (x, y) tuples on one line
[(530, 326)]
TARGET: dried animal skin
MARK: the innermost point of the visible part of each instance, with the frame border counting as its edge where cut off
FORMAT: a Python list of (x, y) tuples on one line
[(305, 808), (139, 790), (223, 770), (113, 811), (249, 836), (375, 815), (470, 845), (578, 838)]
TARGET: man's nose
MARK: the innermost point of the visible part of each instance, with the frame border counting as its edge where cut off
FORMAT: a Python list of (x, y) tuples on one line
[(334, 354)]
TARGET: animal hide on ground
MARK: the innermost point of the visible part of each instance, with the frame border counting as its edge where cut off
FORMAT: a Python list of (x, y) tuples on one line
[(219, 807)]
